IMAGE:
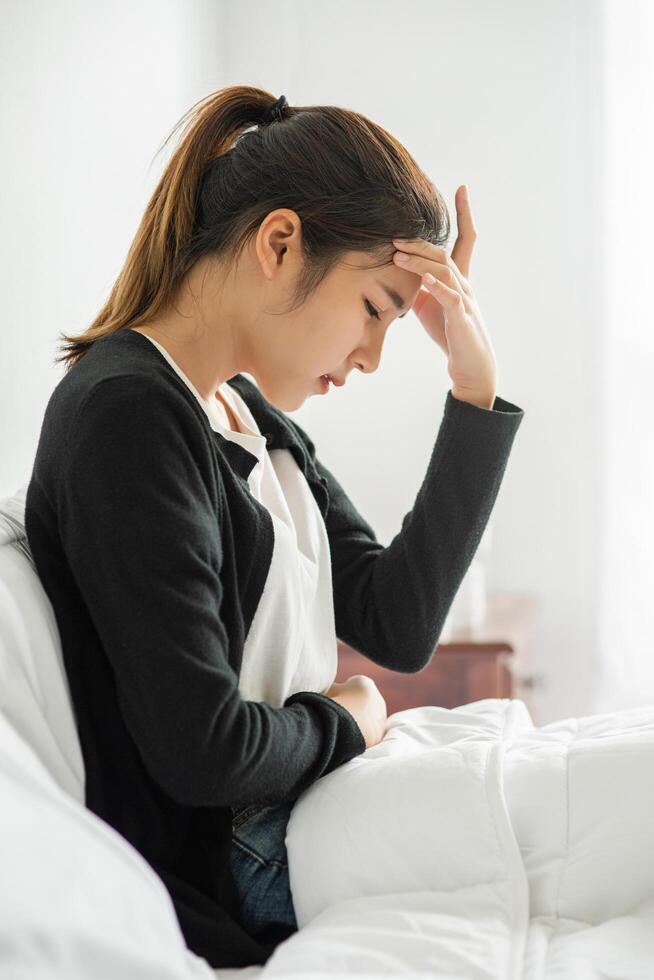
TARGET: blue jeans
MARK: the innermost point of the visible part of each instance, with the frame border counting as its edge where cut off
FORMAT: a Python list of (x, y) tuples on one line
[(259, 865)]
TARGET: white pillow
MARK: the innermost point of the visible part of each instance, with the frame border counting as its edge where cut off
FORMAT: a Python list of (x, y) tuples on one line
[(34, 690), (77, 900)]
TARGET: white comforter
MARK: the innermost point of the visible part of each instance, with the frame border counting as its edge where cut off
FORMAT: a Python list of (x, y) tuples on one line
[(471, 844)]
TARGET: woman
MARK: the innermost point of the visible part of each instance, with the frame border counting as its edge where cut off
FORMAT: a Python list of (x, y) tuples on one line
[(199, 557)]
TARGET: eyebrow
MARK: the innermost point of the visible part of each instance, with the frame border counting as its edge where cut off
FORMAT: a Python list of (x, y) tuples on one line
[(395, 297)]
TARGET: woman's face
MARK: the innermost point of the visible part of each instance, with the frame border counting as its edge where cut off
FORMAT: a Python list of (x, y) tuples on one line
[(340, 327)]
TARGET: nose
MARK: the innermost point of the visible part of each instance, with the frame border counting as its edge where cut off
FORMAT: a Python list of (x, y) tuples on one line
[(368, 355), (370, 362)]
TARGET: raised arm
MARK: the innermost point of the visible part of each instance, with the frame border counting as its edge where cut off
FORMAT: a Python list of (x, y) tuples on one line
[(391, 602)]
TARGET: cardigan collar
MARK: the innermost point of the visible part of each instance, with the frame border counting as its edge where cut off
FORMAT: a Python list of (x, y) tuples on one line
[(272, 423), (278, 431)]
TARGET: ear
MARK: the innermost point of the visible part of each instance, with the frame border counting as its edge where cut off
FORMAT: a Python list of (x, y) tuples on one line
[(278, 241)]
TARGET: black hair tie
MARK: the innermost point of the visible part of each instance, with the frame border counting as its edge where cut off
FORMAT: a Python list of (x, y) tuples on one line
[(275, 111)]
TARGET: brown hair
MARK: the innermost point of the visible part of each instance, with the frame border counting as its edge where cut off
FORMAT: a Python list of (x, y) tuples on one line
[(352, 184)]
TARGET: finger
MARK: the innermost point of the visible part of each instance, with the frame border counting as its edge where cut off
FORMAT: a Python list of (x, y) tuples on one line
[(427, 250), (449, 298), (420, 300), (419, 264), (467, 233)]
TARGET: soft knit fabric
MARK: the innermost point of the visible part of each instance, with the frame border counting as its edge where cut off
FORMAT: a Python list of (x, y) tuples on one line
[(155, 555), (291, 643)]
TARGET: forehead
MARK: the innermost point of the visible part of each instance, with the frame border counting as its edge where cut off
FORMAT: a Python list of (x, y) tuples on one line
[(370, 268)]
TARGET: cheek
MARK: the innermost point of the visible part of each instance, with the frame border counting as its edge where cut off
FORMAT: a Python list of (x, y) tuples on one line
[(329, 333), (332, 340)]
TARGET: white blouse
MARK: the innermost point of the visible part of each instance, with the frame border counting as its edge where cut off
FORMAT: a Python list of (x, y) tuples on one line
[(291, 643)]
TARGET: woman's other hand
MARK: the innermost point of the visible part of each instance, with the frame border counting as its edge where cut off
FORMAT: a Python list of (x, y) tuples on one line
[(363, 699)]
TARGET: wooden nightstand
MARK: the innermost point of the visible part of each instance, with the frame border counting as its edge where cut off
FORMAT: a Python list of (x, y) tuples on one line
[(489, 662)]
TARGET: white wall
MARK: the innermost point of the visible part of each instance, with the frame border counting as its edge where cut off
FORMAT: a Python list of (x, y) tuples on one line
[(88, 92), (625, 612), (498, 95)]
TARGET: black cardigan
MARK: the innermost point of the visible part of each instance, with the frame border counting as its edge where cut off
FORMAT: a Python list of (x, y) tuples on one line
[(154, 555)]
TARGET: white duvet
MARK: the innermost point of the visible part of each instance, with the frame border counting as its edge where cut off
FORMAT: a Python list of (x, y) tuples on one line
[(469, 843)]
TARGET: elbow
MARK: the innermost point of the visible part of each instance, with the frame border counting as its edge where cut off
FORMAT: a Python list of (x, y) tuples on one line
[(199, 772), (189, 789), (413, 656), (401, 661), (193, 777), (206, 764), (416, 657), (414, 665), (186, 788)]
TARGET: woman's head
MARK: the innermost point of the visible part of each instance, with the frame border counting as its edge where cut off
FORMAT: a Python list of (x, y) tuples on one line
[(302, 209)]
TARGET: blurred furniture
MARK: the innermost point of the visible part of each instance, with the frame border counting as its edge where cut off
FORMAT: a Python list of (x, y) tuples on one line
[(491, 661)]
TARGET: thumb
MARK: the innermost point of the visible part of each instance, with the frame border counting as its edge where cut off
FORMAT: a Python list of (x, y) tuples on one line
[(467, 233)]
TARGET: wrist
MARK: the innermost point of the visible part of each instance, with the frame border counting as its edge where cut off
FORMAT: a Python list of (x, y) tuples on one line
[(480, 399)]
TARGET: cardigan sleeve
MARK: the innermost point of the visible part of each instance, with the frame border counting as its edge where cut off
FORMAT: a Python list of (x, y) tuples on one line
[(390, 603), (139, 521)]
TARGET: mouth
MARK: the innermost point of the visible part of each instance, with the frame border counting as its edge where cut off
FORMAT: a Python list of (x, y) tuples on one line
[(334, 381)]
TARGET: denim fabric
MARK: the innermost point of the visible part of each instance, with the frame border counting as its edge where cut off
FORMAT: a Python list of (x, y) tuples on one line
[(259, 865)]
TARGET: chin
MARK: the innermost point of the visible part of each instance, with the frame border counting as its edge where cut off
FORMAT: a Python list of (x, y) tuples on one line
[(283, 401)]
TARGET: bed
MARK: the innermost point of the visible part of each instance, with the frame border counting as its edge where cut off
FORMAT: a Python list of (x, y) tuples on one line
[(469, 843)]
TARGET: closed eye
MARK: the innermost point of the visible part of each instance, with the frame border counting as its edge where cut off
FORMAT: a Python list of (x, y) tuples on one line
[(371, 310)]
